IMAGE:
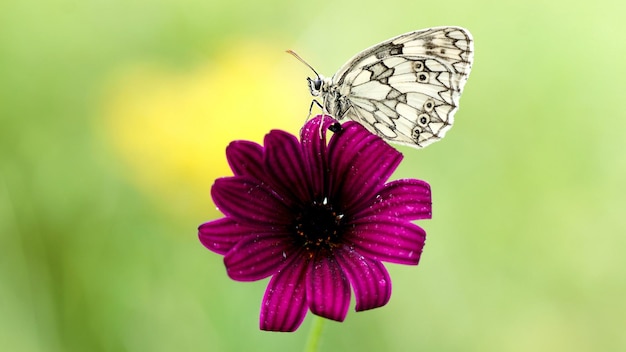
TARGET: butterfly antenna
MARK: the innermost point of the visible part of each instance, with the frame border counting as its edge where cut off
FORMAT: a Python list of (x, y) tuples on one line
[(313, 102), (302, 60)]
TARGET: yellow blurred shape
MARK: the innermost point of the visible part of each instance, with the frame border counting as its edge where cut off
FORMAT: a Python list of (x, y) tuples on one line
[(171, 127)]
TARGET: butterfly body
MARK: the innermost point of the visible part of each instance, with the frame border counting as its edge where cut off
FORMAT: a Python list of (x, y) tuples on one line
[(405, 89)]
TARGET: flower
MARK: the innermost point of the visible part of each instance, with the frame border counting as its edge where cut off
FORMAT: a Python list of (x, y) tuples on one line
[(318, 218)]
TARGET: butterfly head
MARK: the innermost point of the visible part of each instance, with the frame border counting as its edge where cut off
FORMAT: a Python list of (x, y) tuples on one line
[(315, 85), (318, 84)]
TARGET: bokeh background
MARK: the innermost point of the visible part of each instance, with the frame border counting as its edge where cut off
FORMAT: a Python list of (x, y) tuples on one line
[(114, 116)]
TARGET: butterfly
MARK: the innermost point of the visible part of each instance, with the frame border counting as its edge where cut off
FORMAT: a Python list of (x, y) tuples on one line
[(405, 89)]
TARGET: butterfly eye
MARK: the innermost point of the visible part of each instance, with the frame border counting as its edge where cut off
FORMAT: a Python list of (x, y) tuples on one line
[(415, 134), (418, 66), (422, 77), (429, 105), (423, 120), (315, 85)]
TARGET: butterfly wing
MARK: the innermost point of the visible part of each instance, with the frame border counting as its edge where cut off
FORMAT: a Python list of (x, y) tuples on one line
[(406, 89)]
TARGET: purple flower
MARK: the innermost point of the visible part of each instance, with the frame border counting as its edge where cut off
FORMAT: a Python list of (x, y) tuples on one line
[(318, 218)]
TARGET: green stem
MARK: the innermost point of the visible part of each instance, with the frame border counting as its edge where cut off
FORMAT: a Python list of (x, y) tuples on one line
[(315, 334)]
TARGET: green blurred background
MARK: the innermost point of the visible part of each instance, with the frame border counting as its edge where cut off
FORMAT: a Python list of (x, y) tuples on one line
[(114, 116)]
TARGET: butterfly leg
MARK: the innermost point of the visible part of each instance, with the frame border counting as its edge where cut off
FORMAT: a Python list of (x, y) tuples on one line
[(315, 102)]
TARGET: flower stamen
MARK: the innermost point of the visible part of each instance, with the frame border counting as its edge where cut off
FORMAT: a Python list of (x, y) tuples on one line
[(318, 226)]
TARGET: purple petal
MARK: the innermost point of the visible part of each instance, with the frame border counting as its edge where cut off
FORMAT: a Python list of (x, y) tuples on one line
[(249, 201), (311, 129), (328, 289), (257, 257), (284, 304), (387, 239), (407, 199), (313, 139), (369, 279), (360, 162), (245, 158), (222, 234), (284, 162)]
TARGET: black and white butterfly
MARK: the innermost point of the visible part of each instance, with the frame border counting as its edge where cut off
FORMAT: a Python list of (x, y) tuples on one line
[(405, 89)]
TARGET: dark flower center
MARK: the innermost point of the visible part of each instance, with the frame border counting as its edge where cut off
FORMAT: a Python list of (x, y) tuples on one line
[(318, 227)]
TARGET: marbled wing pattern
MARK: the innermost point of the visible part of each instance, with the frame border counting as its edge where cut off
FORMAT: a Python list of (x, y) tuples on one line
[(406, 89)]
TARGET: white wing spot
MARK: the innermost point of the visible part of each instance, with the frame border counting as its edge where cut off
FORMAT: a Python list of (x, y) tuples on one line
[(436, 66), (363, 77), (386, 131), (407, 111)]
